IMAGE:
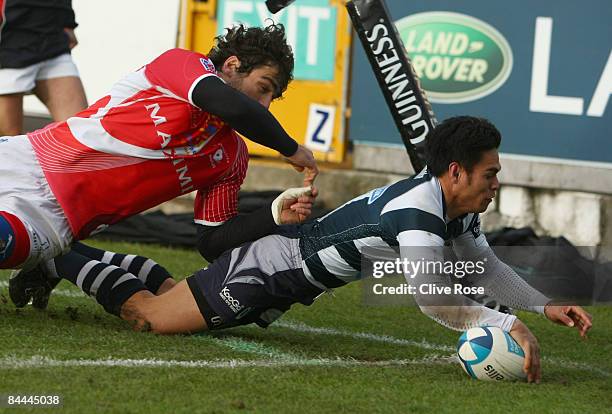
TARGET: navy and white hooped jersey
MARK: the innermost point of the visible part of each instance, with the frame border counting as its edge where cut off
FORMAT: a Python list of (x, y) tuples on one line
[(410, 212)]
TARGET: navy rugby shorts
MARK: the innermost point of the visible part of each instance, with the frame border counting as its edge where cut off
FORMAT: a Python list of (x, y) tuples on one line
[(254, 283)]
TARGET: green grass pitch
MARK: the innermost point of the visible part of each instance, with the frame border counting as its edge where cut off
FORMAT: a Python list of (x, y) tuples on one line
[(335, 356)]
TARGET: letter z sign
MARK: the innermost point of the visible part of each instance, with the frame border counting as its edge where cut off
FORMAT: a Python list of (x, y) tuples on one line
[(319, 132)]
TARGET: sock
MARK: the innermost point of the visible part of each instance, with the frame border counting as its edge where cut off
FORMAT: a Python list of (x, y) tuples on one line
[(109, 284), (148, 271)]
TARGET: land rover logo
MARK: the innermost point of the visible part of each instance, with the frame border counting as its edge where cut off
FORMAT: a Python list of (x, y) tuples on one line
[(458, 58)]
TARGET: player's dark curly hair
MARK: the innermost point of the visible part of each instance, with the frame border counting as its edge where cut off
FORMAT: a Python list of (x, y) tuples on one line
[(461, 139), (255, 47)]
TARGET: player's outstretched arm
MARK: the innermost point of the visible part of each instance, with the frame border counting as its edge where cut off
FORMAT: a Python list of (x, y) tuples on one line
[(245, 115), (506, 285), (254, 121), (290, 207), (501, 282), (570, 315)]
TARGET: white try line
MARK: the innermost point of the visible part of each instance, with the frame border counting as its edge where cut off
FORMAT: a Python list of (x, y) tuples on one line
[(578, 366), (39, 361), (250, 347), (301, 327)]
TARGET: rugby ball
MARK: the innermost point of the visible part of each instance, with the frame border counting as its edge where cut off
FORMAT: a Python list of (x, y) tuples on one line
[(490, 354)]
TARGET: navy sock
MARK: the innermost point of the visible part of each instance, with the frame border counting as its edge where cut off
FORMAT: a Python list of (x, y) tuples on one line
[(152, 274), (109, 284)]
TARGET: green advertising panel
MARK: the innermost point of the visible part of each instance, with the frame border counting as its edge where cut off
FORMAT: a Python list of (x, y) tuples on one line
[(458, 58)]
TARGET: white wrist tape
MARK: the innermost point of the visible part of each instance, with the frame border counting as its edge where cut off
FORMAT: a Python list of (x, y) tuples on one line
[(289, 194)]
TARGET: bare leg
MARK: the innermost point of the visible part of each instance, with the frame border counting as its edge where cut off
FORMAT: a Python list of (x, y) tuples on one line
[(176, 311), (63, 96), (166, 286), (11, 114)]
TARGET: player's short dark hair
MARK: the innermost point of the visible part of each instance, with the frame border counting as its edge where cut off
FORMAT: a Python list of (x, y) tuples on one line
[(461, 139), (256, 47)]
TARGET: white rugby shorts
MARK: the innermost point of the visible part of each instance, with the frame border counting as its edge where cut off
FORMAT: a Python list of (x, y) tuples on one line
[(25, 193), (23, 80)]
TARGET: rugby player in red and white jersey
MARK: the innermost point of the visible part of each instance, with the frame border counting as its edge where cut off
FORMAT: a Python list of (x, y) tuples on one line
[(165, 130)]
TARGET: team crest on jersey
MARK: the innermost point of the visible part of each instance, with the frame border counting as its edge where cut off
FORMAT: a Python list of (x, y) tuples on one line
[(217, 157), (208, 65), (375, 195)]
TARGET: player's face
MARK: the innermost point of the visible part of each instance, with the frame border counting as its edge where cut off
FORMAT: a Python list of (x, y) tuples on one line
[(481, 184), (260, 84)]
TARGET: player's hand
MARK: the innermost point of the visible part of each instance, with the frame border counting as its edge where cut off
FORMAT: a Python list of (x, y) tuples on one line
[(570, 315), (523, 336), (72, 40), (303, 161), (294, 205)]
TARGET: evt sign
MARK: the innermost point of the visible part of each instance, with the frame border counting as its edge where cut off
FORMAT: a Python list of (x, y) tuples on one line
[(310, 26)]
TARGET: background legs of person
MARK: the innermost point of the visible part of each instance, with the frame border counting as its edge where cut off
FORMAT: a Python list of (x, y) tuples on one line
[(64, 96)]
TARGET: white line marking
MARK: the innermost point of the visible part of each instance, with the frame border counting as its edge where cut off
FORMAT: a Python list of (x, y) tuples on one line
[(39, 361), (251, 347), (301, 327), (579, 366)]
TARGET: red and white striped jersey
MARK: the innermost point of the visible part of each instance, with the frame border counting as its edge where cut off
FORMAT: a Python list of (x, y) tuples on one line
[(143, 144)]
